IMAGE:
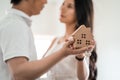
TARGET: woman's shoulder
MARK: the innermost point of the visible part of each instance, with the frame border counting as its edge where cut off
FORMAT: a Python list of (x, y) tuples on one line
[(53, 43)]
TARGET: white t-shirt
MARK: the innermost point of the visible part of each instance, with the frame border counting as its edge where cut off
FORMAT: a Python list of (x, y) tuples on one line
[(16, 40)]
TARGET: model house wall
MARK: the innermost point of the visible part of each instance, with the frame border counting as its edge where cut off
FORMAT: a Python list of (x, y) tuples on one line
[(82, 36)]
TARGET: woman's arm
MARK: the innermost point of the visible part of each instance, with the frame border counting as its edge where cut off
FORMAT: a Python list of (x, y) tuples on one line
[(82, 69), (83, 65)]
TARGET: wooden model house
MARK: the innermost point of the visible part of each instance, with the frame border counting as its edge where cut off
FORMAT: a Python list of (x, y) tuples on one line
[(82, 37)]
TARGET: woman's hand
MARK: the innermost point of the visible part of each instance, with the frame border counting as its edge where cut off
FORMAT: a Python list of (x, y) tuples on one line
[(87, 53)]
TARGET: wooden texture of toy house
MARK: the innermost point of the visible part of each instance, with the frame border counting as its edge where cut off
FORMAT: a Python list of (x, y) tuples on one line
[(82, 37)]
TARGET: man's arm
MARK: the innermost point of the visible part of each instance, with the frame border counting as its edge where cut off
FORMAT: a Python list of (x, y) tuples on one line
[(22, 69)]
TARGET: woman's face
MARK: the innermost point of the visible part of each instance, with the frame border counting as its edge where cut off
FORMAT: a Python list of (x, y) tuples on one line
[(68, 12)]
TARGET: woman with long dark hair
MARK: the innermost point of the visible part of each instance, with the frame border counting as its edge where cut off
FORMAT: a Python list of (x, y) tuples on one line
[(85, 14), (73, 14)]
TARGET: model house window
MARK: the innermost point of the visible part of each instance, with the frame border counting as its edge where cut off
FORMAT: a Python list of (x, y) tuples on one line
[(83, 35), (87, 42), (79, 41)]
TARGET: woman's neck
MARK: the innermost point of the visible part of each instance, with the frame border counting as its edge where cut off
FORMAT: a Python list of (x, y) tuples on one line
[(70, 28)]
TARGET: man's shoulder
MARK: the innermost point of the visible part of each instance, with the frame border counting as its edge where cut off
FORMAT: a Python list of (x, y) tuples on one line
[(11, 20)]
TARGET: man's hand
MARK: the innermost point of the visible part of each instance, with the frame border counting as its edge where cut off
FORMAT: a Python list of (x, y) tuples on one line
[(68, 48)]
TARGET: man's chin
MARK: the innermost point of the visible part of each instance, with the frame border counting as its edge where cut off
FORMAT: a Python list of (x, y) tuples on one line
[(36, 13)]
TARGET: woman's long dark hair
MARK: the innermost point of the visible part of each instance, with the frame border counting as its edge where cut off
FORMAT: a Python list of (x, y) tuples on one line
[(84, 14)]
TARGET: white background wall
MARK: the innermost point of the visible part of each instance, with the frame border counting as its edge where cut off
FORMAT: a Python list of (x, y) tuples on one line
[(107, 30)]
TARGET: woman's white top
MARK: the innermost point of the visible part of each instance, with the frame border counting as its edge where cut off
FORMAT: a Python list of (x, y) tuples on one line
[(63, 70)]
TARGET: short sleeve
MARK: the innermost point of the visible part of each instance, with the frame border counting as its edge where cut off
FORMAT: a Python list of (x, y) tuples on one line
[(14, 40)]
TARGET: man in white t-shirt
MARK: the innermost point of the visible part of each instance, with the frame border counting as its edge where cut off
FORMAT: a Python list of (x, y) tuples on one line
[(17, 51)]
